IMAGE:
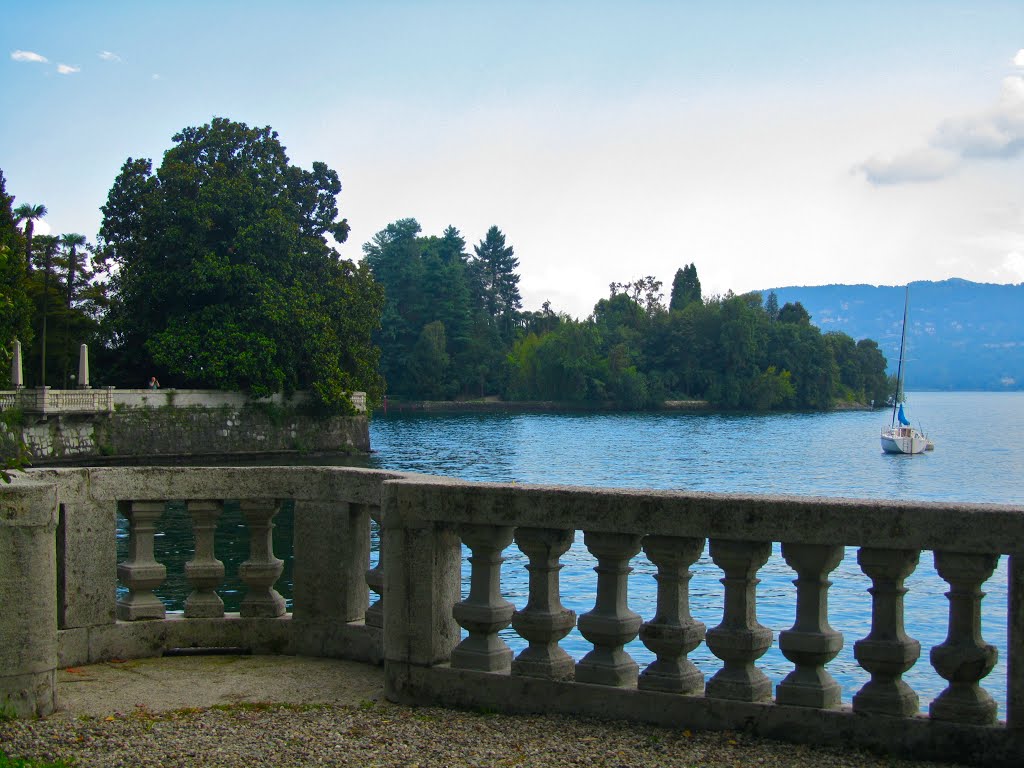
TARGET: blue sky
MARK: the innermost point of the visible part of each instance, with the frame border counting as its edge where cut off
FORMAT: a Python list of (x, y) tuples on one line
[(771, 144)]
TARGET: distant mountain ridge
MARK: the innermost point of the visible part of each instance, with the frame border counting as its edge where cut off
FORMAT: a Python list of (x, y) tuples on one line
[(960, 335)]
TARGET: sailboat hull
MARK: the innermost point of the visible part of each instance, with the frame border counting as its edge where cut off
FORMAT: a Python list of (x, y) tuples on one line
[(905, 440)]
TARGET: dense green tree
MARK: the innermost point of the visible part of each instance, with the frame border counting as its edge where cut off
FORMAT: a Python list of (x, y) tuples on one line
[(431, 363), (16, 312), (794, 312), (428, 280), (685, 288), (495, 267), (393, 257), (872, 365), (224, 275), (563, 365)]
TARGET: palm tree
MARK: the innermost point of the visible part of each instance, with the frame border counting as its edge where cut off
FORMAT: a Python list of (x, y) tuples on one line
[(48, 245), (71, 242), (30, 214)]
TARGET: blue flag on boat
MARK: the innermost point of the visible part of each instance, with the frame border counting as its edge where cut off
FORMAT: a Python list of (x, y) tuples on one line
[(902, 418)]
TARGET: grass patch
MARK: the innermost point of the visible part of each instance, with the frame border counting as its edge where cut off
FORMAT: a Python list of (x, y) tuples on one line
[(15, 762)]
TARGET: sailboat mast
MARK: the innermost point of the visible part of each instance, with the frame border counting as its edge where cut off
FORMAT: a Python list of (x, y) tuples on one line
[(899, 367)]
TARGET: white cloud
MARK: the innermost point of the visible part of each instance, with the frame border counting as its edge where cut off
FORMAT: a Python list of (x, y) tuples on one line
[(108, 56), (156, 77), (997, 132), (1018, 60), (67, 69), (1013, 265), (28, 56), (916, 166)]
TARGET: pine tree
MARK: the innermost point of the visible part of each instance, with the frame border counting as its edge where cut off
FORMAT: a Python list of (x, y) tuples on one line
[(685, 288), (495, 267)]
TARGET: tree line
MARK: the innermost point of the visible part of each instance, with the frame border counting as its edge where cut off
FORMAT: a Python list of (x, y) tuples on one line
[(446, 332), (219, 268)]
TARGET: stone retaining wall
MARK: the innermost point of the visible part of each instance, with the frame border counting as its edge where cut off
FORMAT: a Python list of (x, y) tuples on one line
[(193, 430)]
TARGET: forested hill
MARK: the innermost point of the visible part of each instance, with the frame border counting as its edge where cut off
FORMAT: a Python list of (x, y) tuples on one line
[(960, 335)]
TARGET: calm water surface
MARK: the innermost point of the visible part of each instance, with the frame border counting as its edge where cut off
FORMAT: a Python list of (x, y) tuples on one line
[(979, 457)]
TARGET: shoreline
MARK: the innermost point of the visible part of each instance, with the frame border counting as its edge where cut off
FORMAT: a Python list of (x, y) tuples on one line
[(494, 405)]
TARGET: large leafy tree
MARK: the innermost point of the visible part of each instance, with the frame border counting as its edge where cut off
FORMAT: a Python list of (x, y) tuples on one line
[(225, 276)]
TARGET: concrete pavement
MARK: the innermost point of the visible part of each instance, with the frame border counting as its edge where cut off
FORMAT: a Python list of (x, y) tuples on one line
[(178, 682)]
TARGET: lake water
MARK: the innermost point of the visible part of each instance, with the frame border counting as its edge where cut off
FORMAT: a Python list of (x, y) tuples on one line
[(979, 457)]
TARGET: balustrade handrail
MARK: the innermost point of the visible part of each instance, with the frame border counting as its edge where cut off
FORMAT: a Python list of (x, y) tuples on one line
[(965, 527)]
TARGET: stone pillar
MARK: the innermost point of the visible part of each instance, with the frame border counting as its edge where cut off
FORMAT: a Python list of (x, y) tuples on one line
[(41, 402), (262, 570), (141, 573), (1015, 643), (83, 367), (611, 624), (17, 376), (811, 643), (544, 621), (740, 640), (204, 571), (964, 658), (887, 652), (484, 612), (28, 599), (422, 560), (375, 577), (673, 632), (332, 550)]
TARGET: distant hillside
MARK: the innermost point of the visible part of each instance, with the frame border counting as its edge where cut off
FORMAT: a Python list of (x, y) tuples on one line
[(960, 335)]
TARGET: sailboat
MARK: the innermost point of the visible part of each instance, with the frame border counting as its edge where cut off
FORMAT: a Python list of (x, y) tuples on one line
[(901, 436)]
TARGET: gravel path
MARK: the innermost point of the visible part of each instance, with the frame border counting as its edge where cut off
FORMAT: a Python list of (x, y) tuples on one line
[(382, 734), (214, 711)]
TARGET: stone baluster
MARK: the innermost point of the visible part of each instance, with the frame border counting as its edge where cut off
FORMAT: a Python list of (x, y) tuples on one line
[(262, 570), (544, 621), (811, 643), (375, 577), (484, 612), (204, 571), (673, 632), (141, 573), (964, 658), (740, 640), (887, 652), (611, 624)]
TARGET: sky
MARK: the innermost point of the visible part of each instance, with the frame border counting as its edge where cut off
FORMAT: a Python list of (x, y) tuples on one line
[(770, 144)]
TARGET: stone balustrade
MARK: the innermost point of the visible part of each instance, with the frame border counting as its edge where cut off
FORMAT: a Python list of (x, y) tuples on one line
[(442, 649), (440, 614), (47, 401)]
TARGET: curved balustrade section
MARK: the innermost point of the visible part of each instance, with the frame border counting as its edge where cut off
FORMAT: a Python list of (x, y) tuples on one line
[(331, 547), (445, 639)]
